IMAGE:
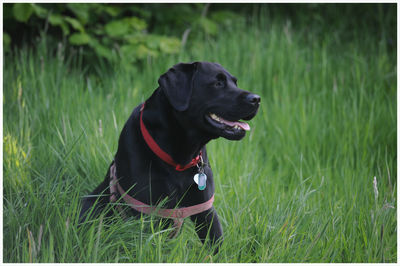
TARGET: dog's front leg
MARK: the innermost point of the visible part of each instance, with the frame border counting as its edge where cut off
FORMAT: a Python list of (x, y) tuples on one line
[(205, 222)]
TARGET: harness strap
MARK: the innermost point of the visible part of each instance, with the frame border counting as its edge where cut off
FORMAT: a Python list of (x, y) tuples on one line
[(177, 214)]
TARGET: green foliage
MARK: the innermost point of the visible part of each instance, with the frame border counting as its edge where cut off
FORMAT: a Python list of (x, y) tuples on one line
[(102, 28), (6, 42), (83, 25), (22, 12), (122, 27), (79, 38)]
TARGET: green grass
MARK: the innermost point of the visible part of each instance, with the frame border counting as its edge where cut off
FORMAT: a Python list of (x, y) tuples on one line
[(297, 188)]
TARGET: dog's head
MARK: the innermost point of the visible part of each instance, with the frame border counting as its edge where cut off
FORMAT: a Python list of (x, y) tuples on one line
[(206, 97)]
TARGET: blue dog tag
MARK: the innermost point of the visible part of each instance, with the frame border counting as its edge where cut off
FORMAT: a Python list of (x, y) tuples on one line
[(201, 180)]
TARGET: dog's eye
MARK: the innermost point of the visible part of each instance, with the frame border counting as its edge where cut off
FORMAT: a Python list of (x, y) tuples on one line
[(219, 84)]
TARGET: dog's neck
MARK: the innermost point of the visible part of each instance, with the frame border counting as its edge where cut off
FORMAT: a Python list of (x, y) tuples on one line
[(181, 143)]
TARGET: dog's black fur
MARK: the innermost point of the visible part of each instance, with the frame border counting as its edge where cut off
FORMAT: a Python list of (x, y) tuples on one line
[(177, 117)]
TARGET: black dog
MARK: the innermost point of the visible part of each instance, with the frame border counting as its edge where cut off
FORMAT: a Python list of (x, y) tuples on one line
[(195, 102)]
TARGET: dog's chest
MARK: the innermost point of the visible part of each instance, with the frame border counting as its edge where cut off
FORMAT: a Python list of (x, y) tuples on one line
[(180, 187), (173, 181)]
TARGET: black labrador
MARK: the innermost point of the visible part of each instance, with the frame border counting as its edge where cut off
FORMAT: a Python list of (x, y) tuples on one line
[(194, 103)]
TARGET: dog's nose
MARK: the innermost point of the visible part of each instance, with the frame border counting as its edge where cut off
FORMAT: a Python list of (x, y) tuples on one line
[(253, 99)]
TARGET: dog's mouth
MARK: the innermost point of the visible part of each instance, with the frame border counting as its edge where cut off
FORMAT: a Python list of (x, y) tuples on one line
[(233, 130), (237, 125)]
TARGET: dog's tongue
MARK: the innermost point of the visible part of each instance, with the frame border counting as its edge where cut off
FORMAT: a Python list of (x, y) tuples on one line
[(243, 125)]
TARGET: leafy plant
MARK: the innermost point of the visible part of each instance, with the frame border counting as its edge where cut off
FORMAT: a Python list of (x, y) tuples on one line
[(134, 32), (99, 27)]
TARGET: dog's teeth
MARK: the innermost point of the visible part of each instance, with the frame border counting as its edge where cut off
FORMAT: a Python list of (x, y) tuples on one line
[(215, 117)]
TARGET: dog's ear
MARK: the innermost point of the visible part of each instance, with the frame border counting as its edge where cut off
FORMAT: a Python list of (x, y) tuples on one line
[(177, 84)]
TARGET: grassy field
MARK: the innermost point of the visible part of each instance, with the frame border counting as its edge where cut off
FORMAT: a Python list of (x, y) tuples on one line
[(298, 188)]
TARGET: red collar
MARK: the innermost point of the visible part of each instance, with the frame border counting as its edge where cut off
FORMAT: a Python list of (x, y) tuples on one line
[(159, 152)]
